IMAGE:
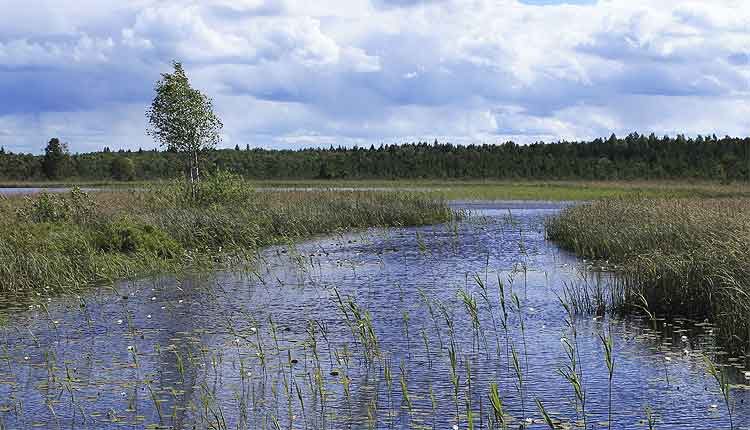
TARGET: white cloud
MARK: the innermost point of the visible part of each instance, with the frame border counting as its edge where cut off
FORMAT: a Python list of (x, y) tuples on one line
[(361, 71)]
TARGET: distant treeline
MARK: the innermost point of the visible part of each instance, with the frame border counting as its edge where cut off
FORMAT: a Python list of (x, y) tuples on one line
[(633, 157)]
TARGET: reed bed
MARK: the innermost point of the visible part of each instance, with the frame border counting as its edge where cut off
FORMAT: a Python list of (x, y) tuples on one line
[(52, 243), (673, 257)]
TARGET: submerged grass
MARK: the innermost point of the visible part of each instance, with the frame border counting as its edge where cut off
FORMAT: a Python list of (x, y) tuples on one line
[(52, 243), (682, 257)]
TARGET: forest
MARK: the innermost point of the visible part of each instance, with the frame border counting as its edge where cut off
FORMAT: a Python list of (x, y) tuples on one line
[(635, 157)]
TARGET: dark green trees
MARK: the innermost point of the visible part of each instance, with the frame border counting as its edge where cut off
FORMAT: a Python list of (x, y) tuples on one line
[(56, 161), (635, 157), (123, 169)]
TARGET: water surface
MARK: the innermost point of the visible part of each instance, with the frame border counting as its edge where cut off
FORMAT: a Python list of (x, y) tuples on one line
[(286, 343)]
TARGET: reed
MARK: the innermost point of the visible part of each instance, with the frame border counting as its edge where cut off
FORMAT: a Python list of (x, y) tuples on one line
[(608, 344), (64, 242), (685, 257), (724, 387), (545, 415), (497, 406)]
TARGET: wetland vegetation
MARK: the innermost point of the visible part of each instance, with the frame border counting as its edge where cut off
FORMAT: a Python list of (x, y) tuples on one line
[(207, 304), (64, 241), (675, 257), (468, 323)]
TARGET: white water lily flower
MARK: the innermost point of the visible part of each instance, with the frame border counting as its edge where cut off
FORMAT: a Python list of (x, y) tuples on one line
[(253, 329), (148, 316), (668, 358), (684, 338), (153, 298), (130, 347), (26, 357), (747, 375), (119, 321)]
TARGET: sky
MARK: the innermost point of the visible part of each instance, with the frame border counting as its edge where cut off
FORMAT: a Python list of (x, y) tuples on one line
[(301, 73)]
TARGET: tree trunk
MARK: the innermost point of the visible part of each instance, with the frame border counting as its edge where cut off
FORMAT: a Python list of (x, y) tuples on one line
[(195, 166), (191, 175)]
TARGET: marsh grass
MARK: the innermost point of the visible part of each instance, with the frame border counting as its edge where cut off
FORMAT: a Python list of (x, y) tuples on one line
[(53, 243), (683, 257)]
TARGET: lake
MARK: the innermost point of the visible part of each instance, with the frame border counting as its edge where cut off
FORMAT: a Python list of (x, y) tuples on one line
[(384, 328)]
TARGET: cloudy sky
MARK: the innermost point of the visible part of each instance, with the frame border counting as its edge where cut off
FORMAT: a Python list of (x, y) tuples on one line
[(293, 73)]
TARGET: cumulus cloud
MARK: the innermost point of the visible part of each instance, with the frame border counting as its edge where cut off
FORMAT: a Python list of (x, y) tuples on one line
[(293, 72)]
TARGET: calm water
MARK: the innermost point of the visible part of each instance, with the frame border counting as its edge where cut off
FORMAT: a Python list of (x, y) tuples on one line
[(33, 190), (273, 347)]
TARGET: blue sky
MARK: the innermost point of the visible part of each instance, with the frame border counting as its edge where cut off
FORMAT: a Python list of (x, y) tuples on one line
[(294, 73)]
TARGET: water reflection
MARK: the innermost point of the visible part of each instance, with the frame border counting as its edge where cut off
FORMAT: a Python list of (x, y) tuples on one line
[(286, 344)]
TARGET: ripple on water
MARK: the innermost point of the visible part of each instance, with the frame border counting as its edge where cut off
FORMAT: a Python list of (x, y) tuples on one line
[(262, 348)]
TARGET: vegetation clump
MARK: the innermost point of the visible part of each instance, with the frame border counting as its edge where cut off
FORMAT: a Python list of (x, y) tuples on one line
[(680, 257), (57, 242)]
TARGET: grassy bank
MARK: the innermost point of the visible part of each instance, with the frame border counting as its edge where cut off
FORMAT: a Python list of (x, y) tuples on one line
[(685, 257), (51, 243), (480, 190), (534, 190)]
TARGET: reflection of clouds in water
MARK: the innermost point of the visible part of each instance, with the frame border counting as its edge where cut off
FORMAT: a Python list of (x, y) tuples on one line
[(206, 349)]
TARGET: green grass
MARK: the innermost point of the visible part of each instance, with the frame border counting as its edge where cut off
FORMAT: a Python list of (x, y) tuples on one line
[(533, 190), (51, 243), (678, 257), (481, 190)]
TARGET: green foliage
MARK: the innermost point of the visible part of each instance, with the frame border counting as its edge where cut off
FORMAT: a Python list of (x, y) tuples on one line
[(635, 157), (76, 206), (223, 188), (56, 160), (129, 237), (123, 169), (182, 119), (680, 257), (57, 242)]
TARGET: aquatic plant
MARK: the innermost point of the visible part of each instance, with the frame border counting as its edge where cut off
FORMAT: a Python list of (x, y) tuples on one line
[(59, 243), (497, 405), (608, 344), (470, 303), (519, 379), (572, 371), (685, 256), (724, 387), (650, 418), (547, 419), (404, 386)]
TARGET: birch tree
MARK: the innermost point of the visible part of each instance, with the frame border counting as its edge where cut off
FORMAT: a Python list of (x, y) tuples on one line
[(182, 119)]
